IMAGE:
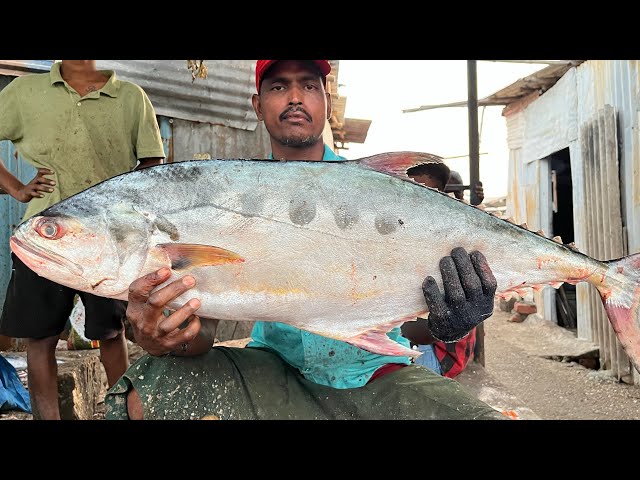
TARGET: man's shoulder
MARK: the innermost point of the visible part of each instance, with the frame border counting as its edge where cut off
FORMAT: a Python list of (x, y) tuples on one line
[(24, 82), (127, 87)]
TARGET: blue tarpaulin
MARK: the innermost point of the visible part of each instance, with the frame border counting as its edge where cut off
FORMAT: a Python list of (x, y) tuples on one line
[(13, 395)]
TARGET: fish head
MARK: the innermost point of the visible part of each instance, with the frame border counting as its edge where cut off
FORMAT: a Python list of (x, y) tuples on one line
[(101, 253)]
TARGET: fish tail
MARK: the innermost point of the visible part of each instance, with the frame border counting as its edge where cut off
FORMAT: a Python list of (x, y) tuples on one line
[(620, 294)]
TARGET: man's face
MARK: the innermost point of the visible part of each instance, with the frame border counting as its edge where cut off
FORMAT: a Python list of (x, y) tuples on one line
[(293, 103)]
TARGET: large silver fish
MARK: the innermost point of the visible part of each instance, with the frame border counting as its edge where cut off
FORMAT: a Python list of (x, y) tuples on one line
[(335, 248)]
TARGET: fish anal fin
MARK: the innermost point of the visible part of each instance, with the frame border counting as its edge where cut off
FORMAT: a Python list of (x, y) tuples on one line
[(380, 343), (188, 255), (376, 340), (398, 164)]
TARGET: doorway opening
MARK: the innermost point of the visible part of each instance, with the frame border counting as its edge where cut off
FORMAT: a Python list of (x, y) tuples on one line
[(562, 222)]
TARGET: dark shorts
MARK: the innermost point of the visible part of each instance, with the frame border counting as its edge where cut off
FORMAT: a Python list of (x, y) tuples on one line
[(251, 383), (36, 307)]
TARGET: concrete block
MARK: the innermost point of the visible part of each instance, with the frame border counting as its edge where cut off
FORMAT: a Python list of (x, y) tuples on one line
[(82, 384)]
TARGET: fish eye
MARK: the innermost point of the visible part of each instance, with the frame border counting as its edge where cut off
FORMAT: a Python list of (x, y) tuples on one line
[(49, 229)]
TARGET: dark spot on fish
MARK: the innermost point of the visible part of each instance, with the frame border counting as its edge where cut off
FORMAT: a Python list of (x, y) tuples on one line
[(252, 204), (385, 225), (332, 353), (400, 221), (346, 216), (333, 378), (375, 276), (302, 210), (164, 225)]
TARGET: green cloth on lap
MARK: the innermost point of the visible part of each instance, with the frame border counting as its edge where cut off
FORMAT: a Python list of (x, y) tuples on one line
[(252, 383)]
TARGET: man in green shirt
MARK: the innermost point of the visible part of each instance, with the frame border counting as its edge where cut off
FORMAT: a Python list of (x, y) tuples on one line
[(78, 126), (287, 373)]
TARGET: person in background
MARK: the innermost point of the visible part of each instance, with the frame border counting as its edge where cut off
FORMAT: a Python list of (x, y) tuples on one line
[(447, 359), (455, 181), (77, 126)]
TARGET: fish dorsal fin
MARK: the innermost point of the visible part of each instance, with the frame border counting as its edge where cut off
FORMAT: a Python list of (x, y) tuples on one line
[(398, 164), (186, 255)]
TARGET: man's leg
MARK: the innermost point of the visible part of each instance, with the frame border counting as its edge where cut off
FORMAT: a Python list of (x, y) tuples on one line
[(225, 383), (104, 322), (114, 357), (43, 377), (135, 411), (37, 309)]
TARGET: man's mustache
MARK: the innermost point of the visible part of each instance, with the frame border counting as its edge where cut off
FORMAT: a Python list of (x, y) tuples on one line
[(295, 109)]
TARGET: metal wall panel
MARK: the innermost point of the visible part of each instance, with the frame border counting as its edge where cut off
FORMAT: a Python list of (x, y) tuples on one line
[(11, 211), (551, 120), (223, 98)]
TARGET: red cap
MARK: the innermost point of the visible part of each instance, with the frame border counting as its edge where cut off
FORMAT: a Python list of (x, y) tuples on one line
[(263, 65)]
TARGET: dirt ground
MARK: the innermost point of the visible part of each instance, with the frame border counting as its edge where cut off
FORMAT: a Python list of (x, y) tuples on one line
[(516, 356)]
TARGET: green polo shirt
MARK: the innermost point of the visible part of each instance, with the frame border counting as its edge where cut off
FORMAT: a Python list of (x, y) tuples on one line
[(320, 359), (84, 140)]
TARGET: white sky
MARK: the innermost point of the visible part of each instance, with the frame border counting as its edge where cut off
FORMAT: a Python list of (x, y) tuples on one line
[(379, 90)]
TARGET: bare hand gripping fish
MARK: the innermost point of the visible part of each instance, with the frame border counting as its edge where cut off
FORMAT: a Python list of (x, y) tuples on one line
[(339, 249)]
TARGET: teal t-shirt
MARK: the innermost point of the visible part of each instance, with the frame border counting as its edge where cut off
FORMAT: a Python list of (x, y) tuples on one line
[(320, 359)]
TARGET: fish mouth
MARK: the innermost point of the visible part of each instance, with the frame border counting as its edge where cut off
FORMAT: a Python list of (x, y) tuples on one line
[(28, 253)]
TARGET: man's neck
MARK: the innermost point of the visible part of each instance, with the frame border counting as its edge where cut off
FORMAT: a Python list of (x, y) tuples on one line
[(314, 152), (78, 69)]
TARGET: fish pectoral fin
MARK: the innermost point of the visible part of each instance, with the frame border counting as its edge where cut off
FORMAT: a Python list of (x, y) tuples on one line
[(188, 255), (398, 164)]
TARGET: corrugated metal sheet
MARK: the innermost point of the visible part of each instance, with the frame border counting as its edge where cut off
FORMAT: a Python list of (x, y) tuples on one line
[(223, 98), (538, 82), (515, 131), (22, 67), (604, 223), (551, 121)]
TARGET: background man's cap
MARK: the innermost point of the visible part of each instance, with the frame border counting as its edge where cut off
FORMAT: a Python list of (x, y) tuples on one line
[(263, 65)]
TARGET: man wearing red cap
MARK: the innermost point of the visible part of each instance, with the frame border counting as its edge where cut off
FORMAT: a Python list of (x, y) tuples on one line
[(284, 372)]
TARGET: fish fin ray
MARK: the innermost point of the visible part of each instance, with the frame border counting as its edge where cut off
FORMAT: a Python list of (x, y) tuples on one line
[(397, 164), (375, 340), (188, 255)]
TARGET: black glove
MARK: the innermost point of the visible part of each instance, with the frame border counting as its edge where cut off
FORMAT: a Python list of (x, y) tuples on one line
[(469, 287)]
